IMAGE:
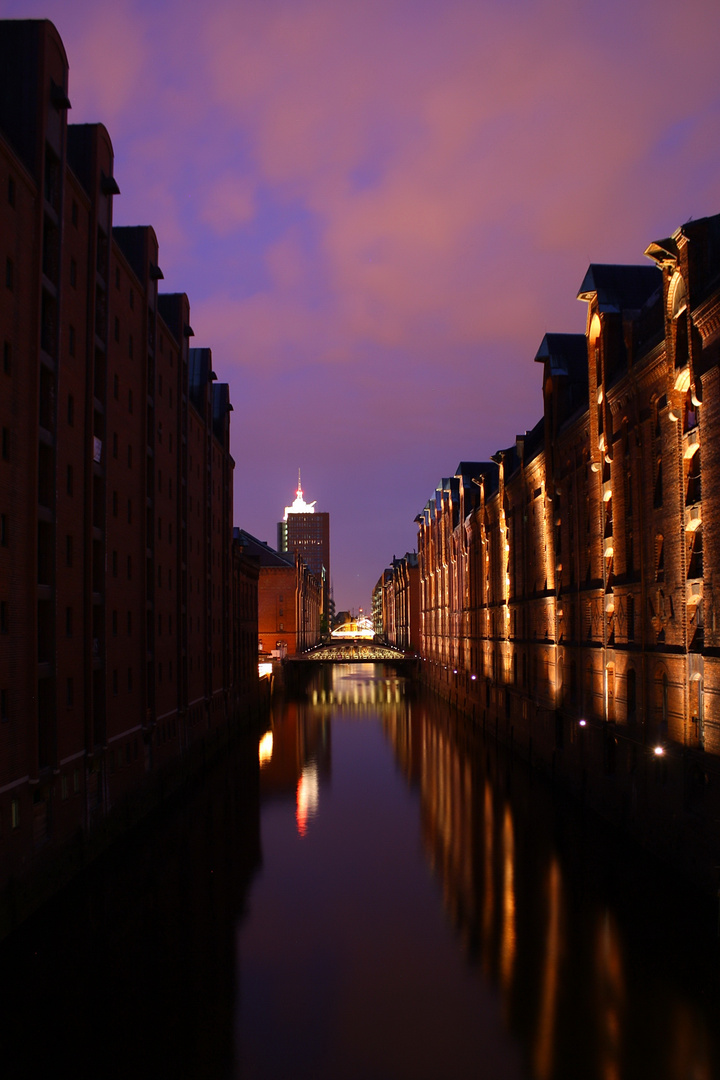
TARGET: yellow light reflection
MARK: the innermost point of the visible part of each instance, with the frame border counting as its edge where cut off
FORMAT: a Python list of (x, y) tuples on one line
[(306, 798), (265, 748), (548, 1000), (507, 945)]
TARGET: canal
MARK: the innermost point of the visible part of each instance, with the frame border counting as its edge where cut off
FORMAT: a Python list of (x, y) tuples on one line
[(375, 893)]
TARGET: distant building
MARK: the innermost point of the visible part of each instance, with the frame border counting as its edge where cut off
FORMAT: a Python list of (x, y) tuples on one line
[(396, 604), (307, 532), (289, 599)]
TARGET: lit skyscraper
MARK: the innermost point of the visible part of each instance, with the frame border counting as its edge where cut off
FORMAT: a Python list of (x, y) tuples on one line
[(307, 532)]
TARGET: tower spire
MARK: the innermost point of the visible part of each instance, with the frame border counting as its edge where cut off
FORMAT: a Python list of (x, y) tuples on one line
[(299, 487)]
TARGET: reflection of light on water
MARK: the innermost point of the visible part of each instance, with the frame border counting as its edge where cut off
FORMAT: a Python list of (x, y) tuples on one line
[(548, 999), (507, 946), (306, 797), (265, 748)]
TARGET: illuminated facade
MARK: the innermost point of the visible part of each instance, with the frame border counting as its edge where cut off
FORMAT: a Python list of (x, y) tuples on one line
[(573, 575)]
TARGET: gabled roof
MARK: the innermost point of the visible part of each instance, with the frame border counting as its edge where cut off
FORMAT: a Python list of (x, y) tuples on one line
[(620, 288), (262, 551), (566, 353)]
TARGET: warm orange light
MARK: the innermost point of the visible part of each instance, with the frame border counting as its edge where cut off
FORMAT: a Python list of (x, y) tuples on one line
[(658, 751), (265, 748)]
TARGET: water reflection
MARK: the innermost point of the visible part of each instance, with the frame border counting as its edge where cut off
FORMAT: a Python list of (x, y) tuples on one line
[(548, 914)]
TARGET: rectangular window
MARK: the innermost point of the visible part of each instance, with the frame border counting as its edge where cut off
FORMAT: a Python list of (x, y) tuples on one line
[(114, 624), (69, 692), (68, 550), (114, 564), (68, 621), (69, 481), (130, 346), (15, 813), (129, 512), (7, 357), (114, 682), (6, 444), (129, 567), (63, 787), (4, 706), (74, 213), (129, 623), (4, 617), (115, 444), (129, 457), (9, 274), (73, 273), (130, 401), (114, 503), (4, 540), (71, 410)]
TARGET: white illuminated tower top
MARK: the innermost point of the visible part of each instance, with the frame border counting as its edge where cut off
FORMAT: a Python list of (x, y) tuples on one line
[(299, 506)]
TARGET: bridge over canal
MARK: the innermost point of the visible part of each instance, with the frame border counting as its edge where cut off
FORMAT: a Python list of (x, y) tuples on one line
[(355, 651)]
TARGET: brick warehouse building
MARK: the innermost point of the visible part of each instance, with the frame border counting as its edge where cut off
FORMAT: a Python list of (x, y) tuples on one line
[(289, 598), (117, 644), (567, 586)]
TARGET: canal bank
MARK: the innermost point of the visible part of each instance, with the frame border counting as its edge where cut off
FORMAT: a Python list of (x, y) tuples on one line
[(663, 796), (50, 866)]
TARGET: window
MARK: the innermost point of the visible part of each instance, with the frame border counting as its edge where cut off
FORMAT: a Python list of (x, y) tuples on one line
[(15, 813), (132, 299), (68, 550), (9, 274), (74, 213), (6, 444), (129, 512), (73, 273), (68, 621), (114, 682), (4, 617), (129, 567), (115, 444), (114, 563), (129, 623), (71, 340), (117, 330), (130, 401), (129, 457), (3, 530), (7, 357), (69, 692), (4, 706), (114, 503), (69, 480), (71, 410), (114, 623), (130, 346)]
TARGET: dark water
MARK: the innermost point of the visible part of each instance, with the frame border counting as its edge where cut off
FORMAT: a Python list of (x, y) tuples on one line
[(383, 897)]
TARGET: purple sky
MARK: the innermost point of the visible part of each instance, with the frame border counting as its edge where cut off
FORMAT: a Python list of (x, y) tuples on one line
[(378, 207)]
